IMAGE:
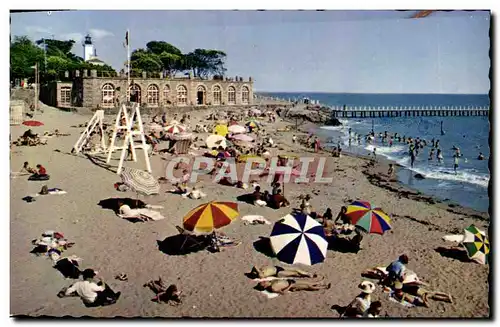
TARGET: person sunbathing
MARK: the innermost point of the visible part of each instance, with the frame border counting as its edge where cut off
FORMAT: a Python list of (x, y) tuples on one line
[(281, 286), (170, 294), (418, 290), (400, 295), (276, 271)]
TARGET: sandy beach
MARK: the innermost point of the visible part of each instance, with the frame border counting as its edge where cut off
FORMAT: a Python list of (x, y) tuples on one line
[(215, 285)]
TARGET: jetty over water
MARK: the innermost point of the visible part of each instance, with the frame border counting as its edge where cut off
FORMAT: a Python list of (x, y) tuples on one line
[(373, 112)]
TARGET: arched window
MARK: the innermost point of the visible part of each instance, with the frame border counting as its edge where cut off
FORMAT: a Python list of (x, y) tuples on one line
[(108, 96), (217, 96), (245, 95), (231, 95), (182, 95), (201, 95), (153, 96), (166, 95), (134, 93)]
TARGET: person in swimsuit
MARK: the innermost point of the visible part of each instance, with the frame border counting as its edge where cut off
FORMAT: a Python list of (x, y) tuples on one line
[(275, 271), (281, 286)]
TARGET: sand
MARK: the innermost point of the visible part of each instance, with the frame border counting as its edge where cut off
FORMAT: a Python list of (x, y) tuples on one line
[(215, 285)]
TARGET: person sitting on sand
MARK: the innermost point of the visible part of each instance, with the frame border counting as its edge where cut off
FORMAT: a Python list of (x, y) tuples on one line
[(275, 271), (374, 310), (93, 294), (396, 270), (180, 188), (342, 216), (27, 168), (279, 201), (281, 286), (362, 302), (41, 170), (305, 206), (257, 197)]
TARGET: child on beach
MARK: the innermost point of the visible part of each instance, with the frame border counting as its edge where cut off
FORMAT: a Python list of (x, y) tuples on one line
[(362, 302), (390, 172), (27, 168)]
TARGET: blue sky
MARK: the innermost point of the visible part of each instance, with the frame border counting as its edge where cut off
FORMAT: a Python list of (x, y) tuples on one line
[(299, 51)]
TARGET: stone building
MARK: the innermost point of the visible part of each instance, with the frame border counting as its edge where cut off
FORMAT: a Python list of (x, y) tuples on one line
[(87, 89)]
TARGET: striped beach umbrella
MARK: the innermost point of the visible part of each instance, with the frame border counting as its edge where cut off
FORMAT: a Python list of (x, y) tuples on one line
[(477, 245), (253, 124), (209, 216), (369, 218), (140, 181), (297, 238), (175, 128)]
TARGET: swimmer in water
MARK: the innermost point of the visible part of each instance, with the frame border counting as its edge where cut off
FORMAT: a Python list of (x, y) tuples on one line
[(481, 156), (455, 163), (431, 154)]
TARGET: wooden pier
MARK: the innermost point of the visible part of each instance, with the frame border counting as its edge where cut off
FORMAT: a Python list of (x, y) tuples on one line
[(375, 112)]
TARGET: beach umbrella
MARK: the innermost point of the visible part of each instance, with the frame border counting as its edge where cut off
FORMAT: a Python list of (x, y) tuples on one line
[(33, 123), (140, 181), (297, 238), (214, 141), (237, 129), (242, 137), (253, 124), (369, 218), (221, 130), (175, 128), (476, 243), (207, 217)]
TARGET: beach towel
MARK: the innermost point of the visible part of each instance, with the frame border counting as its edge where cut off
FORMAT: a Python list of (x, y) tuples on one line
[(454, 238), (260, 203), (403, 303), (254, 219), (127, 213)]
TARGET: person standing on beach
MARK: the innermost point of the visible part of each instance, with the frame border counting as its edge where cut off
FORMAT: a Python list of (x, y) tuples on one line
[(316, 145), (455, 163), (374, 154), (437, 144), (431, 154), (412, 158)]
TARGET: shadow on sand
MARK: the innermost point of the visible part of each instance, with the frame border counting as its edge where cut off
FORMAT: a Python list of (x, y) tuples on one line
[(113, 203), (183, 244), (263, 245), (453, 253), (342, 245)]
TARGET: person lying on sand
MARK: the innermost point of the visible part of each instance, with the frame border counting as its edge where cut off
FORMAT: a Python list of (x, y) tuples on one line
[(170, 294), (418, 290), (281, 286), (180, 188), (400, 295), (195, 194), (93, 294), (276, 271)]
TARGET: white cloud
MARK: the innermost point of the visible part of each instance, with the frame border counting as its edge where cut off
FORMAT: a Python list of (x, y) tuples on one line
[(77, 37), (99, 34), (30, 30)]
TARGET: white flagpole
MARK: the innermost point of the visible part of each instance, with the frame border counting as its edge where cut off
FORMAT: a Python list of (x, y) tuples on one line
[(128, 59)]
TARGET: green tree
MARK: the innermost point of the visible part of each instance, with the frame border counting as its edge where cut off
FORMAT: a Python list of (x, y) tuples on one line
[(24, 54), (206, 62)]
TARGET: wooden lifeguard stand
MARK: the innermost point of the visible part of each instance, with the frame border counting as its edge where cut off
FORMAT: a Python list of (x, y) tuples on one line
[(95, 122), (129, 136)]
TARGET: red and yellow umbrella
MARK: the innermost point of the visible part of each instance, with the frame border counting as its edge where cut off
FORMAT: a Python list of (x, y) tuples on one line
[(365, 216), (209, 216)]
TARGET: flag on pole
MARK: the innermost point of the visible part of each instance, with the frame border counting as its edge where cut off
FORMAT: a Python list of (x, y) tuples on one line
[(126, 39)]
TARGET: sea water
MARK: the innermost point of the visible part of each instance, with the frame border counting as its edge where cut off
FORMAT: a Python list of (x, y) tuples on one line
[(468, 186)]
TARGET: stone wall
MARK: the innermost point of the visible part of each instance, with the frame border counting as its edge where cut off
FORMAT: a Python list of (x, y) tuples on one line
[(87, 91)]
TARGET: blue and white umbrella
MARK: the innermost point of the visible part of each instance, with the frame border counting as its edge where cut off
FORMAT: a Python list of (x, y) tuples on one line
[(297, 238)]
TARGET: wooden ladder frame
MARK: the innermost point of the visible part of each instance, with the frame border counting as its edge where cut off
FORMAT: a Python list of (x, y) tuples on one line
[(95, 121), (129, 136)]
